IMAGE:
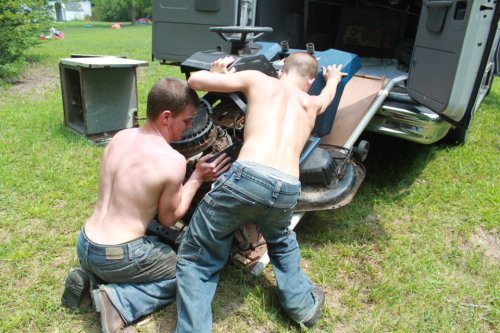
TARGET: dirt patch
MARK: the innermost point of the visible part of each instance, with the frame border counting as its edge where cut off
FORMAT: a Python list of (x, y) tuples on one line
[(488, 242), (332, 298), (162, 321), (39, 80), (35, 83)]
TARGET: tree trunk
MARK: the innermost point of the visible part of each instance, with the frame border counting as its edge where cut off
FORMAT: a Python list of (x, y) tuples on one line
[(131, 11)]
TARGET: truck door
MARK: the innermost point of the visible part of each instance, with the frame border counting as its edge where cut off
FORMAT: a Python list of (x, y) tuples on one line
[(453, 42), (180, 27)]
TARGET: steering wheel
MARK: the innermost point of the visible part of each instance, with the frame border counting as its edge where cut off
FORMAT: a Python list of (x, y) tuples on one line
[(238, 34)]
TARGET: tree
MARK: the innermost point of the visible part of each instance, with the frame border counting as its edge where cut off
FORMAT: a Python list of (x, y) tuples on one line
[(131, 11), (21, 22), (121, 10)]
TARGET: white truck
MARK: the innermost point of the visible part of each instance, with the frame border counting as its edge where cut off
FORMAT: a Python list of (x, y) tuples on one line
[(417, 70), (448, 49)]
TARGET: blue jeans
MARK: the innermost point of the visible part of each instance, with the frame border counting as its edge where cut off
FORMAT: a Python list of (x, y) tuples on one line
[(245, 193), (140, 274)]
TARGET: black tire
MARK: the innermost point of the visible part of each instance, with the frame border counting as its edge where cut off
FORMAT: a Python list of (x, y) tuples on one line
[(458, 136)]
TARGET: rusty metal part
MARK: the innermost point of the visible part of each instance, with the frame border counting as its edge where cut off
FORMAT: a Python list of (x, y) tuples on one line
[(228, 116), (249, 245)]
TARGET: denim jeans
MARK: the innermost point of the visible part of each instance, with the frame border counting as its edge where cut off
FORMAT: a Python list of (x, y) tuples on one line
[(247, 192), (140, 274)]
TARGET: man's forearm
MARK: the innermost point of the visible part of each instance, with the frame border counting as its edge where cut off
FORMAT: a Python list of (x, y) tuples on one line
[(189, 190), (328, 93)]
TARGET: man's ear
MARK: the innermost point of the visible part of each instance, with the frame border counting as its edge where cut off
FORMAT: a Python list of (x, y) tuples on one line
[(310, 82), (165, 116)]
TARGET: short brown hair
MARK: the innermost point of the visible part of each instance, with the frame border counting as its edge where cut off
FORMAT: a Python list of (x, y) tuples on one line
[(302, 63), (170, 94)]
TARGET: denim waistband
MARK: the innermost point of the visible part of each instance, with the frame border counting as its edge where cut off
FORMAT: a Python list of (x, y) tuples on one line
[(257, 179), (110, 251), (267, 171)]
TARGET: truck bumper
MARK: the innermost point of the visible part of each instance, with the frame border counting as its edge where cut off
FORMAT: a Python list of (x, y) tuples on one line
[(409, 122)]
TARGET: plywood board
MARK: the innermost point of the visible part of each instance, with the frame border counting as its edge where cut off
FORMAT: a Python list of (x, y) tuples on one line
[(358, 96)]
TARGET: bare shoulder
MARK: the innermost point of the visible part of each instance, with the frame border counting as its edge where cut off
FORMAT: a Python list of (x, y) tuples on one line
[(253, 75), (259, 81), (314, 103), (170, 163), (125, 133), (123, 136), (147, 154), (174, 157)]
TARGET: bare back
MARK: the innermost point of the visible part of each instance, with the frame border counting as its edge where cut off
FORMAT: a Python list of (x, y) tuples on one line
[(279, 120), (280, 114), (137, 169)]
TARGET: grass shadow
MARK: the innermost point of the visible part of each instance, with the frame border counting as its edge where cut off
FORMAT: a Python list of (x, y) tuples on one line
[(391, 167), (239, 293), (393, 163)]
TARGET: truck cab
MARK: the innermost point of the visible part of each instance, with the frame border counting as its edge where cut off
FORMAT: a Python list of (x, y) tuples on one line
[(447, 49)]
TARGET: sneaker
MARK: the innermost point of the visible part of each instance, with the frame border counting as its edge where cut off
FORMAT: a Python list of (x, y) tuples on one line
[(319, 298), (76, 289)]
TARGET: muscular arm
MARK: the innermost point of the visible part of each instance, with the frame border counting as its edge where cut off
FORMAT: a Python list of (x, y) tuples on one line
[(220, 79), (224, 83), (332, 76), (176, 197)]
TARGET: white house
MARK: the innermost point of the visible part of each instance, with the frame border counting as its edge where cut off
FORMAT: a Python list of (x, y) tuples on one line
[(71, 10)]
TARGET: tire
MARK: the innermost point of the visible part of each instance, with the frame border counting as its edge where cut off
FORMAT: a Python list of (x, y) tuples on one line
[(458, 136)]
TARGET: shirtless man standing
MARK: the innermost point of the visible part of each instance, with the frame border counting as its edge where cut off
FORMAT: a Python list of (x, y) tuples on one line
[(141, 177), (262, 187)]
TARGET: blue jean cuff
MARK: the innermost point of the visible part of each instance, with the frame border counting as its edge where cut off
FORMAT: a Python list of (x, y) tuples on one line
[(311, 313)]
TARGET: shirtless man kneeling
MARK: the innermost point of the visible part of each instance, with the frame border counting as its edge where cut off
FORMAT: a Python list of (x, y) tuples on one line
[(141, 177)]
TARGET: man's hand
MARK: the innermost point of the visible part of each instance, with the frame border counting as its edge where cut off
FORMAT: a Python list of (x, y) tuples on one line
[(220, 66), (209, 171), (332, 76), (333, 72)]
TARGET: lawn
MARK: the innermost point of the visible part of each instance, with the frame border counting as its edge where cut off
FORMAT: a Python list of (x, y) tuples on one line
[(418, 250)]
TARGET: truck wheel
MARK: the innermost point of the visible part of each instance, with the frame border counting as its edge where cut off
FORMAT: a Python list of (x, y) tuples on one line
[(458, 135)]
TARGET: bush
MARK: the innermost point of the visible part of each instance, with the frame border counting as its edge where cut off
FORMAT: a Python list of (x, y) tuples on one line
[(20, 25), (111, 10)]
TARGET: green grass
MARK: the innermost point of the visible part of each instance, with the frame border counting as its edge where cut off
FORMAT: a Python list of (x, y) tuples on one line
[(417, 251)]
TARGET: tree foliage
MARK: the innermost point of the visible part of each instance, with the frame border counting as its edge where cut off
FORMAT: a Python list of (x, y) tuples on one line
[(121, 10), (21, 22)]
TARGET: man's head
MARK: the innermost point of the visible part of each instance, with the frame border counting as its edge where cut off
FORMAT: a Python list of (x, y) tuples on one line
[(302, 64), (171, 104), (170, 94)]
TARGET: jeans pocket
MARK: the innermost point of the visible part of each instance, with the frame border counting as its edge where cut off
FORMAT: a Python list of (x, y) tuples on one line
[(238, 195), (188, 252)]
